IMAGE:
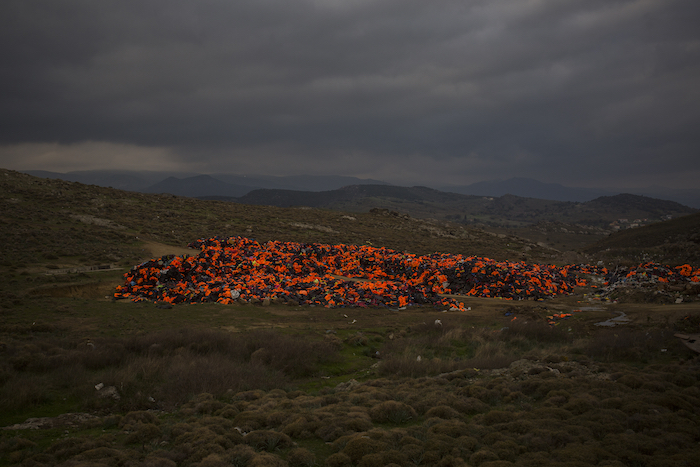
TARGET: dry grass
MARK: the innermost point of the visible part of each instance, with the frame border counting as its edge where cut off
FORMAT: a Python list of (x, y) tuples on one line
[(159, 370), (431, 350)]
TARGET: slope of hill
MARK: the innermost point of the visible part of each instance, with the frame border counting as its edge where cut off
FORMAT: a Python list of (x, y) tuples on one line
[(676, 241), (179, 220), (129, 180), (47, 221)]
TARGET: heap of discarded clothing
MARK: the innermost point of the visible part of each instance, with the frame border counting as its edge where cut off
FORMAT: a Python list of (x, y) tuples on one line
[(240, 269)]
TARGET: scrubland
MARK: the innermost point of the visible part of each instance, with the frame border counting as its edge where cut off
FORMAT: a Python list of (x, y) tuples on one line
[(85, 380)]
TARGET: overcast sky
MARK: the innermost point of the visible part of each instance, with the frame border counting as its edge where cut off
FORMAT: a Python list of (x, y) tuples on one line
[(580, 92)]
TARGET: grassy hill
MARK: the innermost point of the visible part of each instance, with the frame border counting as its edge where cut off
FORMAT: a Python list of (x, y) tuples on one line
[(85, 380), (91, 224), (675, 241)]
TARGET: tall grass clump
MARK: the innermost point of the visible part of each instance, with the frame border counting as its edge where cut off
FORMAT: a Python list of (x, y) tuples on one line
[(536, 333), (431, 350), (629, 344), (155, 370)]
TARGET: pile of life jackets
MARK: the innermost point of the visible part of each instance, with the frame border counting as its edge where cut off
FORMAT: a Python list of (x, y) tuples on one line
[(651, 273), (233, 269)]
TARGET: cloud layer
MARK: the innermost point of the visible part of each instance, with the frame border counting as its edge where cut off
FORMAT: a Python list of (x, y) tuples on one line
[(587, 92)]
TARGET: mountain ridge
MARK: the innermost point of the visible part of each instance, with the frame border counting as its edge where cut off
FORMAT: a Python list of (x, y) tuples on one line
[(151, 182), (424, 202)]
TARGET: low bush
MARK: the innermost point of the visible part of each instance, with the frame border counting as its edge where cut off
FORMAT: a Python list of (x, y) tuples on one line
[(339, 459), (155, 370), (392, 412), (301, 457), (442, 411), (360, 446), (267, 440)]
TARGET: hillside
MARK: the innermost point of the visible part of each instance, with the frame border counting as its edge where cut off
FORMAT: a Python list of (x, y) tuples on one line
[(48, 221), (90, 224), (673, 242), (88, 377)]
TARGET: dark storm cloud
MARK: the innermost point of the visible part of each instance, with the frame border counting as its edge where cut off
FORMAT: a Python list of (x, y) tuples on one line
[(572, 91)]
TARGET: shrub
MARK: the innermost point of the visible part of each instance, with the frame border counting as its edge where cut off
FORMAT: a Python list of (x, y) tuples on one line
[(451, 461), (300, 457), (442, 411), (471, 406), (452, 428), (157, 459), (481, 456), (467, 444), (250, 420), (488, 396), (581, 404), (265, 440), (131, 420), (16, 443), (209, 406), (384, 459), (301, 426), (631, 381), (144, 432), (267, 460), (338, 460), (240, 455), (505, 450), (440, 443), (330, 432), (355, 421), (392, 412), (214, 460), (358, 340), (359, 446), (414, 452), (497, 416)]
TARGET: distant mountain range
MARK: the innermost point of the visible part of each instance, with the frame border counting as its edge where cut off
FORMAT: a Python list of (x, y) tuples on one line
[(529, 188), (236, 185), (199, 185), (605, 212)]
